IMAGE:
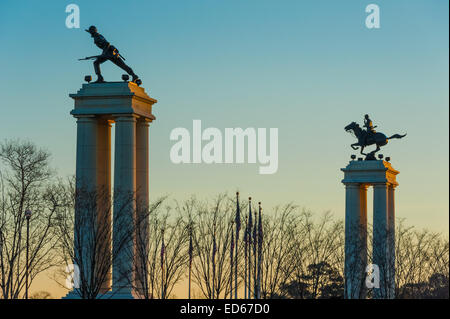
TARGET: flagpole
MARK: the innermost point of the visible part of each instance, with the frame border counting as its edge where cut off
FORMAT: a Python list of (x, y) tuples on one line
[(190, 268), (250, 225), (231, 263), (190, 258), (259, 250), (254, 256), (238, 228), (214, 260), (245, 257), (162, 264)]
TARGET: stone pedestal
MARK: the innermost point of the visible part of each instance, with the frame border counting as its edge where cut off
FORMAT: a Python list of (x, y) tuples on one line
[(358, 176), (97, 106)]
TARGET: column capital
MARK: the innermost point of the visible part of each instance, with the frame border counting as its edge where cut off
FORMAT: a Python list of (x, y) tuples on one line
[(85, 118), (144, 121), (392, 187), (126, 118), (353, 185), (105, 121)]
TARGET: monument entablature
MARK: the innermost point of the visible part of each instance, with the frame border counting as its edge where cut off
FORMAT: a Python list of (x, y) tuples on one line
[(370, 173), (113, 99)]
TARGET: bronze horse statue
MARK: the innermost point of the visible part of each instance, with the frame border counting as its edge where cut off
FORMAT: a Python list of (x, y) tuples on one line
[(366, 138)]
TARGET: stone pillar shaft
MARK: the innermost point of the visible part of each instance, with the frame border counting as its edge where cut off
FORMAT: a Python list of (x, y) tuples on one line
[(142, 203), (124, 204), (86, 184), (93, 206), (86, 161), (380, 237), (355, 240), (391, 241), (104, 202)]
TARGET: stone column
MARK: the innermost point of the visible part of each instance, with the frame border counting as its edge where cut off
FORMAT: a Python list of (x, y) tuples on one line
[(93, 204), (104, 200), (355, 240), (363, 241), (142, 201), (380, 238), (124, 205), (86, 157), (86, 185), (391, 240)]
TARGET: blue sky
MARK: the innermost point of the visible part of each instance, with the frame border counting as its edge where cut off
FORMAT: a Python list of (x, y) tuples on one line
[(306, 67)]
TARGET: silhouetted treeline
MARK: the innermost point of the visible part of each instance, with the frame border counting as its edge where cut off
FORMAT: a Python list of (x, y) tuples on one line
[(302, 254)]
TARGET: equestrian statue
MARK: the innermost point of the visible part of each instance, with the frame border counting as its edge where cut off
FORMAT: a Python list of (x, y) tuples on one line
[(368, 136)]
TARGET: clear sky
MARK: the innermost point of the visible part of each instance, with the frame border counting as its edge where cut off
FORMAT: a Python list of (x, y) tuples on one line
[(308, 68)]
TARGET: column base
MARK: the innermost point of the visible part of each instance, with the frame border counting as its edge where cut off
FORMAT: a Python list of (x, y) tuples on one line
[(112, 294), (73, 294), (122, 294)]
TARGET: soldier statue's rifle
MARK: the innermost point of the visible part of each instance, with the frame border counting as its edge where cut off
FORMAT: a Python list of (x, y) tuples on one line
[(114, 52), (89, 57)]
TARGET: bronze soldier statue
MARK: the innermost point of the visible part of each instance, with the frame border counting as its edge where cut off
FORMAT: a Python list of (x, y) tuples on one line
[(109, 53)]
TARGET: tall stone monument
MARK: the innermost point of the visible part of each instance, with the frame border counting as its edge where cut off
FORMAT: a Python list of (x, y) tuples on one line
[(97, 107), (358, 176)]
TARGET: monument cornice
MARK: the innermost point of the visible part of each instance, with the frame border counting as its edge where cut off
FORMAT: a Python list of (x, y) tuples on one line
[(370, 173), (112, 99)]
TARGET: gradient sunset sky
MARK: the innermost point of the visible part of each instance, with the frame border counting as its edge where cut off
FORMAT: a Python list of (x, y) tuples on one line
[(308, 68)]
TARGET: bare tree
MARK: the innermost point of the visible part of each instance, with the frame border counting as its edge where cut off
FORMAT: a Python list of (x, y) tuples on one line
[(421, 258), (212, 243), (318, 256), (25, 179), (85, 237), (162, 266), (279, 243)]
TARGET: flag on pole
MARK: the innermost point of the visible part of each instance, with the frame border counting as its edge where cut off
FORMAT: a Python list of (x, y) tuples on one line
[(255, 242), (238, 228), (260, 227), (214, 260), (260, 246), (238, 216), (249, 234), (214, 248), (231, 264), (260, 230), (245, 257)]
